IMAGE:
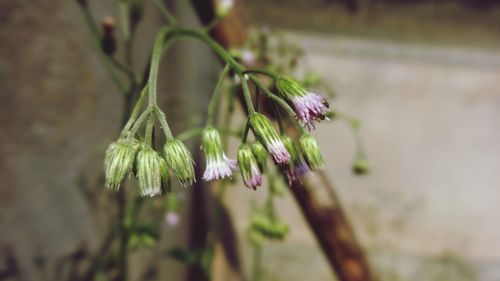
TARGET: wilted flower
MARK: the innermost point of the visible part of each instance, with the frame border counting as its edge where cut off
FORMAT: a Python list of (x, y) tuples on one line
[(119, 161), (219, 166), (308, 106), (311, 152), (180, 161), (265, 133), (248, 167), (149, 172)]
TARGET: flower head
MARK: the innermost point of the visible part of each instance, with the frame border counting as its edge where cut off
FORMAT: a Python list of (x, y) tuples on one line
[(248, 167), (311, 152), (180, 161), (308, 106), (260, 154), (265, 133), (149, 172), (119, 161), (219, 166), (297, 168)]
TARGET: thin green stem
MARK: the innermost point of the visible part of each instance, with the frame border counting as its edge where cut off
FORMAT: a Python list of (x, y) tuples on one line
[(277, 114), (123, 16), (138, 123), (216, 95), (164, 124), (245, 132), (272, 96), (166, 12), (148, 136), (257, 263), (155, 64), (137, 108), (261, 71), (186, 135)]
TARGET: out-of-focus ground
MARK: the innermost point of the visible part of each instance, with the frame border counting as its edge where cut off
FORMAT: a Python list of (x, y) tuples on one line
[(430, 111)]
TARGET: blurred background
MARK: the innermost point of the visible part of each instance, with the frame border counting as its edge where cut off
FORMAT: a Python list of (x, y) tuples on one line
[(423, 77)]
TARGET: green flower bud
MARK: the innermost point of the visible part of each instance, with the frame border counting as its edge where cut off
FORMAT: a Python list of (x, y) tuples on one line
[(119, 161), (267, 135), (249, 168), (270, 228), (165, 175), (360, 167), (260, 154), (311, 152), (218, 165), (149, 172), (292, 149), (180, 161)]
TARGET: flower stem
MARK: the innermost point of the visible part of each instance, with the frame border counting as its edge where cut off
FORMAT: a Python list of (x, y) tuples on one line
[(166, 12), (261, 71), (216, 95), (272, 96), (135, 112)]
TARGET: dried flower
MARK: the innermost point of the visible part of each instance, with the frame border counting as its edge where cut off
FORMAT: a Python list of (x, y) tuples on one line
[(149, 172), (266, 134), (311, 152), (308, 106), (219, 166), (119, 161), (248, 167), (180, 161)]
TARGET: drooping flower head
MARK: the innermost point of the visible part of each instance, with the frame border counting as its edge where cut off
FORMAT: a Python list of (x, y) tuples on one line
[(311, 152), (265, 133), (260, 154), (297, 168), (149, 172), (248, 167), (119, 161), (309, 107), (179, 161), (219, 166)]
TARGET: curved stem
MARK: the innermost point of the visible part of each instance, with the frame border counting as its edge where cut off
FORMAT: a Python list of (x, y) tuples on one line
[(136, 110), (166, 12), (216, 95), (261, 71), (138, 123), (272, 96), (184, 136), (148, 136), (164, 124)]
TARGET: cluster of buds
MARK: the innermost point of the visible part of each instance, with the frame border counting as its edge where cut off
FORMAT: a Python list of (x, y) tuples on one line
[(151, 168)]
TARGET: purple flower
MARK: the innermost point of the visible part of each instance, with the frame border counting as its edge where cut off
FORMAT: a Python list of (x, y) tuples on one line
[(248, 167), (269, 138), (219, 168), (172, 218), (310, 108)]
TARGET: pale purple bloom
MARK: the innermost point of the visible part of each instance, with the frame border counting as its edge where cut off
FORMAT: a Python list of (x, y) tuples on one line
[(248, 57), (297, 172), (280, 155), (254, 179), (172, 218), (310, 108), (219, 168)]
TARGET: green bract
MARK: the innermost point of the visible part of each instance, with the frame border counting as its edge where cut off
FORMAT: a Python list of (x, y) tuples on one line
[(149, 171), (180, 161), (289, 87), (260, 154), (119, 161), (311, 152)]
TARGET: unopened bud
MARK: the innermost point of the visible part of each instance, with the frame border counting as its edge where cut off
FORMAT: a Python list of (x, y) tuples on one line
[(149, 172), (260, 154), (248, 167), (180, 161), (361, 167), (218, 165), (119, 161), (311, 152), (108, 41)]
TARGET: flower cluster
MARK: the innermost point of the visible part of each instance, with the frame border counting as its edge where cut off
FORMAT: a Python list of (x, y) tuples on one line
[(151, 169)]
